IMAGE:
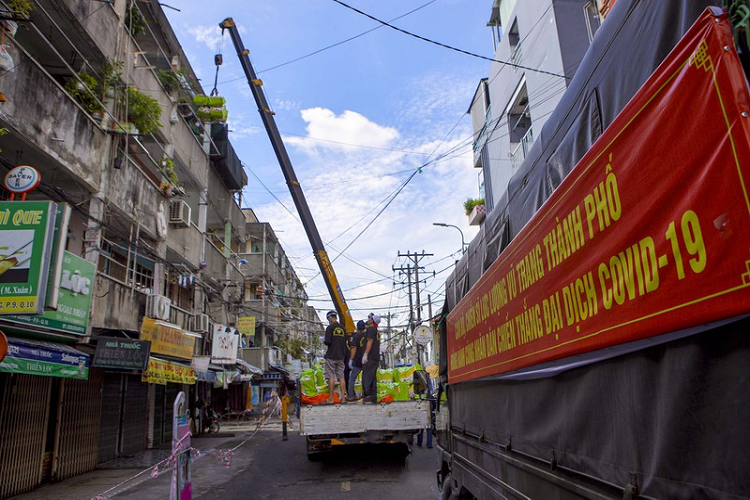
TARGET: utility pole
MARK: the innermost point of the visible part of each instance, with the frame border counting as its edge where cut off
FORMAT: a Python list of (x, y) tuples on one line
[(429, 322), (415, 258)]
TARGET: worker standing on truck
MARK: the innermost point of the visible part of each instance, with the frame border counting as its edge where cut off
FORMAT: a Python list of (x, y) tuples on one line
[(335, 339), (356, 350), (371, 360)]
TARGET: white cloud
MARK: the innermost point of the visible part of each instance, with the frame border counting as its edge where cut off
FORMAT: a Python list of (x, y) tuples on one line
[(208, 35), (346, 187), (287, 105), (326, 130)]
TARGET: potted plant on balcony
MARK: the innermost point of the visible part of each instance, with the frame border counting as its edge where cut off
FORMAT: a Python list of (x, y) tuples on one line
[(111, 77), (22, 7), (143, 111), (134, 21), (84, 89), (168, 79), (475, 210), (170, 187)]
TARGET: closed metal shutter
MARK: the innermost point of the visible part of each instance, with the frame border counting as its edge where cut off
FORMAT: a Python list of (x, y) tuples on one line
[(77, 447), (162, 416), (135, 410), (110, 419), (23, 431)]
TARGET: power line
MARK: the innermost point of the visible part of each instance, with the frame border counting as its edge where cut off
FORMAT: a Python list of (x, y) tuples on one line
[(445, 46)]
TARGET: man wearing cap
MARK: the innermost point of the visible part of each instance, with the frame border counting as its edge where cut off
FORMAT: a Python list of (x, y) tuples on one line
[(371, 360), (356, 350), (335, 339)]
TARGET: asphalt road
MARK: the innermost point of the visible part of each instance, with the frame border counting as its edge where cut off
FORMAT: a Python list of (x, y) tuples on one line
[(275, 469)]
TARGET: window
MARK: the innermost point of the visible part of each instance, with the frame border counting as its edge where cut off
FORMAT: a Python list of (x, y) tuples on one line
[(519, 127), (125, 267), (514, 42), (591, 15)]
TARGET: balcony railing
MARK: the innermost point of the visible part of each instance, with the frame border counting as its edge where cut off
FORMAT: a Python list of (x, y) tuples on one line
[(519, 153)]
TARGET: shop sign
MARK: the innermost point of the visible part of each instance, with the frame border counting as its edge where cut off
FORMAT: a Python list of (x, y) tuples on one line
[(163, 372), (224, 345), (646, 236), (74, 301), (44, 358), (167, 338), (121, 354), (22, 179), (26, 229), (246, 325)]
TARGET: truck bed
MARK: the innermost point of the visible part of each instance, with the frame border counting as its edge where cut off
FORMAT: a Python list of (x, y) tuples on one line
[(353, 418)]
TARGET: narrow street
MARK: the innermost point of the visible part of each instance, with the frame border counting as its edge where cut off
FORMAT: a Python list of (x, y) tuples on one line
[(261, 466), (280, 469)]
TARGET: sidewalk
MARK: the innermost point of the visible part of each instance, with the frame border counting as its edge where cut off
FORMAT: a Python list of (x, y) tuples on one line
[(132, 477)]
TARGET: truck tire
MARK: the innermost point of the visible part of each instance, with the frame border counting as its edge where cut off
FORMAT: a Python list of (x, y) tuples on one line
[(447, 493)]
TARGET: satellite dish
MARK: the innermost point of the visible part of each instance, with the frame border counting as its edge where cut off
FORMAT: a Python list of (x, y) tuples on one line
[(422, 335)]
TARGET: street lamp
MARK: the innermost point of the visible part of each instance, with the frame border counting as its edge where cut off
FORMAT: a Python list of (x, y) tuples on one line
[(463, 242)]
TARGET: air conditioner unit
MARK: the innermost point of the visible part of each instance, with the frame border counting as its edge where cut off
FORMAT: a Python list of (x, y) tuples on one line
[(158, 306), (179, 213), (201, 323)]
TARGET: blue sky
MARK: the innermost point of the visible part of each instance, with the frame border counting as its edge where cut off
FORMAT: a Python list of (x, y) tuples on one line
[(357, 120)]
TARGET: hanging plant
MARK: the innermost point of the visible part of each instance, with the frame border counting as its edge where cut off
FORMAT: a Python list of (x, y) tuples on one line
[(143, 111), (84, 90)]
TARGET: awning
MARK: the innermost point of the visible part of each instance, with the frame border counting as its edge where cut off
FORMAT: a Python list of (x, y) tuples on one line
[(248, 367), (33, 357)]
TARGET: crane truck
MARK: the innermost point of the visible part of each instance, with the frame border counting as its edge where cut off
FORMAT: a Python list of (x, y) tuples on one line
[(327, 426), (595, 333)]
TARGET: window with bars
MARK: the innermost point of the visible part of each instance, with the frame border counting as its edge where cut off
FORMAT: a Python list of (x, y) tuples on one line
[(125, 267)]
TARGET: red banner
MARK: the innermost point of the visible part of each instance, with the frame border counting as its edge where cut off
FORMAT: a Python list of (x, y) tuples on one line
[(647, 235)]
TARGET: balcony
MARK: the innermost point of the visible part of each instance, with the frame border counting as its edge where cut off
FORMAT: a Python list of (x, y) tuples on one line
[(184, 245), (126, 279), (521, 150), (262, 265), (68, 140), (224, 159)]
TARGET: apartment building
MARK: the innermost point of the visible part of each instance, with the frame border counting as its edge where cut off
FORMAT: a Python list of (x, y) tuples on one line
[(538, 45), (139, 215)]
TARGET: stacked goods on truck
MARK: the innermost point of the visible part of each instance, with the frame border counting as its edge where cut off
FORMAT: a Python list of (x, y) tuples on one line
[(403, 409), (396, 384), (595, 336)]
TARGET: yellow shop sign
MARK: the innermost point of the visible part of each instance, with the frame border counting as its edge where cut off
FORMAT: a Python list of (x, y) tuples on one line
[(163, 372), (167, 338)]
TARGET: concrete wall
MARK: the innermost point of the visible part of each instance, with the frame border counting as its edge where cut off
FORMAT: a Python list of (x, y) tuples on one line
[(80, 147), (115, 306), (186, 242)]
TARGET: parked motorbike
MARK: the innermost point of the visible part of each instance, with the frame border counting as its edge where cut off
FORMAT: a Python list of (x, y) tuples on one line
[(209, 418)]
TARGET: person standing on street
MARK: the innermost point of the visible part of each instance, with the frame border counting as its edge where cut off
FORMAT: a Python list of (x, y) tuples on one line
[(371, 360), (335, 339), (356, 350)]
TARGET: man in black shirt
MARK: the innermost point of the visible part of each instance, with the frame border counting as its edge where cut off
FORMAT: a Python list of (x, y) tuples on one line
[(335, 339), (356, 350), (371, 360)]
